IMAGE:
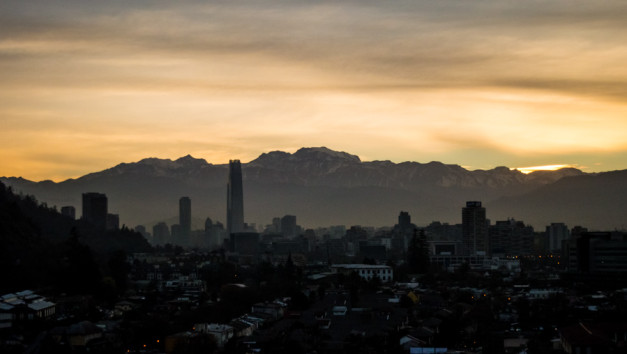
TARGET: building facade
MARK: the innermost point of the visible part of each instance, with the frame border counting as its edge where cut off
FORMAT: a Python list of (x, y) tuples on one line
[(474, 229), (510, 238)]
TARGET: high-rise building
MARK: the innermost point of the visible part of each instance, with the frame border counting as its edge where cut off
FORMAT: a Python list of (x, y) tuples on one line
[(404, 220), (557, 233), (185, 218), (597, 252), (175, 234), (403, 231), (288, 226), (208, 224), (510, 238), (95, 209), (474, 229), (234, 199), (161, 234)]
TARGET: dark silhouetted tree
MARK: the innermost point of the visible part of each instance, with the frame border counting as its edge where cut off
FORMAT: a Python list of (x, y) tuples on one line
[(418, 253), (119, 269), (81, 274)]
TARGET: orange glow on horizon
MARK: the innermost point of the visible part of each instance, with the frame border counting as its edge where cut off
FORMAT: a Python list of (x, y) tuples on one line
[(527, 170)]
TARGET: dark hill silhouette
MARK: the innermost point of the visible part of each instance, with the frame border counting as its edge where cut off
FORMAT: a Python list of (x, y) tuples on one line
[(39, 247), (324, 187)]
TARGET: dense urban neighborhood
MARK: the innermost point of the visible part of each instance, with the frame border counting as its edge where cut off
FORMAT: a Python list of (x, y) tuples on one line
[(88, 284)]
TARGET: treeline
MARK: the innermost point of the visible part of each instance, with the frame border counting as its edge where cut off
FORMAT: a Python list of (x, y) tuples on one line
[(42, 249)]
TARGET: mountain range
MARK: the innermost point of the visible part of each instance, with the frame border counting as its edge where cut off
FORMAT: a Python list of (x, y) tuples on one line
[(323, 187)]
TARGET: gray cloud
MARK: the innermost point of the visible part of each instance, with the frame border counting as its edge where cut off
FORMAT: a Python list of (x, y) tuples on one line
[(435, 42)]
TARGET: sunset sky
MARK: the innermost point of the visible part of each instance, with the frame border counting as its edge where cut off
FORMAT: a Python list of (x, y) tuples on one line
[(85, 85)]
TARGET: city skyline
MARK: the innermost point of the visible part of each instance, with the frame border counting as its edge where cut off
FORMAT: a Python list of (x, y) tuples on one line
[(481, 84)]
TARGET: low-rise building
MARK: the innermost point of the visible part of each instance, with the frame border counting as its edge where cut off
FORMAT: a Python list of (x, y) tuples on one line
[(221, 332), (275, 310), (24, 306), (366, 271)]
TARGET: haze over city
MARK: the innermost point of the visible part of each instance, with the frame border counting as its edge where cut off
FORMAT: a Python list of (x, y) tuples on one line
[(87, 85)]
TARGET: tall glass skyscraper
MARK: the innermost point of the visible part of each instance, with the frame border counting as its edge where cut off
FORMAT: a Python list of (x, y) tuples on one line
[(234, 199)]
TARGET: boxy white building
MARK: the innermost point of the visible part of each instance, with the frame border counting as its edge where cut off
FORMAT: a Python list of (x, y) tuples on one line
[(366, 271)]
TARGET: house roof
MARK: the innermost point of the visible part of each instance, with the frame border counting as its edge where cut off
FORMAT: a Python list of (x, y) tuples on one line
[(24, 293), (40, 305), (8, 297)]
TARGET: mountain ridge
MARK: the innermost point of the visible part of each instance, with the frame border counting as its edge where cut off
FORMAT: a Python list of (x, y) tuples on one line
[(321, 186)]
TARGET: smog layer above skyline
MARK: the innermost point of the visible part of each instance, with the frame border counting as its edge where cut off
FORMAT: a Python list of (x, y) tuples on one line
[(86, 85)]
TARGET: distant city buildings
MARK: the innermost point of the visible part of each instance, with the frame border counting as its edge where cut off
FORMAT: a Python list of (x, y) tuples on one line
[(214, 234), (235, 199), (474, 241), (182, 234)]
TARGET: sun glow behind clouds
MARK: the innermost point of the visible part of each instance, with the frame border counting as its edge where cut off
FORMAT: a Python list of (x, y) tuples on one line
[(527, 170)]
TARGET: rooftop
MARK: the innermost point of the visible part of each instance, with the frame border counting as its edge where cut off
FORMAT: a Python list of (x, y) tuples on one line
[(360, 266)]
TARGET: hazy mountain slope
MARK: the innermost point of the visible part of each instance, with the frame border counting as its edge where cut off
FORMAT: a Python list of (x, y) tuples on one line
[(324, 187), (598, 201)]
